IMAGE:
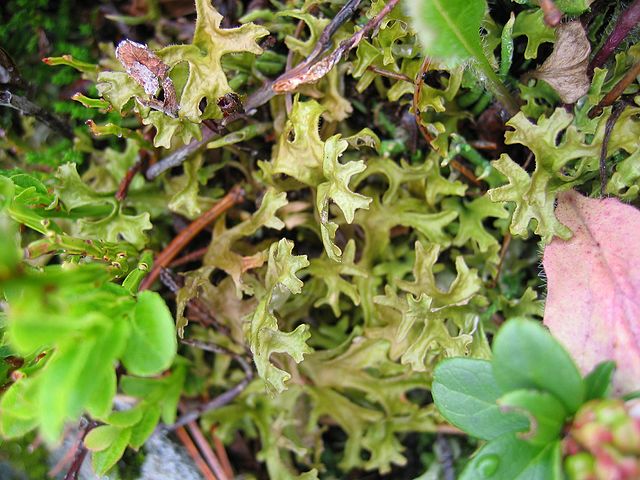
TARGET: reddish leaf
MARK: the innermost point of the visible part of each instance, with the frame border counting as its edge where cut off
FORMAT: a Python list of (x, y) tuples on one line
[(593, 301)]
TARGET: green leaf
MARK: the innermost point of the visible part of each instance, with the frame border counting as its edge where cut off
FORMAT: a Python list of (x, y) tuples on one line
[(545, 412), (142, 430), (104, 460), (525, 355), (597, 383), (152, 344), (101, 437), (509, 458), (450, 29), (18, 407), (466, 394)]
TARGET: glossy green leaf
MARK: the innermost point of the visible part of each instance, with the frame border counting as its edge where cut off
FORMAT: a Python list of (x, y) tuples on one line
[(466, 394), (104, 460), (101, 437), (545, 412), (523, 355), (510, 458), (152, 344), (450, 29)]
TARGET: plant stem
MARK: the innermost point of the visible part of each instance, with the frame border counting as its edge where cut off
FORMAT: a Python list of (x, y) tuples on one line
[(626, 22), (497, 88)]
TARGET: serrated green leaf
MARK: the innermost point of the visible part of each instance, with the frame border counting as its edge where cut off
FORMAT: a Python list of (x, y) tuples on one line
[(531, 23)]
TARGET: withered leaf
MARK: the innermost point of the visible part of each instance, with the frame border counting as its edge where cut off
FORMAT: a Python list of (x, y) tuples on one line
[(593, 301), (148, 70), (566, 68)]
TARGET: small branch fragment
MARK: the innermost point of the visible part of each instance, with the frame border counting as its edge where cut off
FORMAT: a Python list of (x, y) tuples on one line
[(616, 91), (312, 69), (235, 195), (195, 454), (417, 91), (389, 74), (27, 107), (140, 165)]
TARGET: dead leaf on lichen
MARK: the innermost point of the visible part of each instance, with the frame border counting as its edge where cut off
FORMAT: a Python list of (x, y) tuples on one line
[(566, 68)]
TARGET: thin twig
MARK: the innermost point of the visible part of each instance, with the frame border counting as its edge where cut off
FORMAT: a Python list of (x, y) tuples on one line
[(189, 257), (221, 452), (617, 90), (27, 107), (608, 130), (205, 450), (140, 165), (179, 156), (389, 74), (81, 453), (552, 16), (313, 69), (223, 398), (626, 22), (235, 196), (194, 453)]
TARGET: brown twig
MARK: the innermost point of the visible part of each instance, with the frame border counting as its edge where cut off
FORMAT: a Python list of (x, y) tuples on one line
[(221, 452), (139, 166), (194, 453), (235, 195), (205, 449), (80, 453), (313, 68), (608, 130), (389, 74), (189, 257), (617, 90), (552, 16)]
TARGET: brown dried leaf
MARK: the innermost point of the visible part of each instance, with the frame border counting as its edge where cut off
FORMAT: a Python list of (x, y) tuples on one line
[(593, 301), (566, 68), (146, 68)]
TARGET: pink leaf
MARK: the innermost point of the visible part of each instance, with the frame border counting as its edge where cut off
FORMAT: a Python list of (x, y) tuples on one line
[(593, 301)]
